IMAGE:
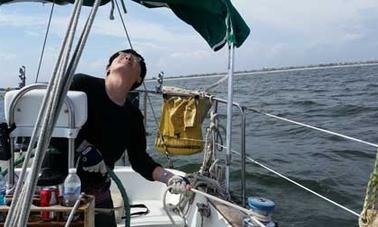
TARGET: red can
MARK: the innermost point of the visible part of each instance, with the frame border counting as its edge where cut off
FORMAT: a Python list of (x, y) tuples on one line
[(49, 197)]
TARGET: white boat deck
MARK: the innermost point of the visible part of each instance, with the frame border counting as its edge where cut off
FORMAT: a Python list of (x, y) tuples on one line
[(142, 191)]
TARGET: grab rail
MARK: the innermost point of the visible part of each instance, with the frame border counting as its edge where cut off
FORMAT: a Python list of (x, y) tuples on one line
[(71, 124), (244, 157)]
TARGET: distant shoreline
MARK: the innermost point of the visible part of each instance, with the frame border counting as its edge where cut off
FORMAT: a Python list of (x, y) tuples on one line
[(272, 70), (264, 70)]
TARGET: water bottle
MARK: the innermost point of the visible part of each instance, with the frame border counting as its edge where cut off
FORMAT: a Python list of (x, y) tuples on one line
[(3, 189), (71, 188)]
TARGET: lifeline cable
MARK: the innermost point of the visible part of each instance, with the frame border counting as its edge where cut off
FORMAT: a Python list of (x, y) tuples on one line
[(313, 127), (299, 185), (123, 24), (44, 42)]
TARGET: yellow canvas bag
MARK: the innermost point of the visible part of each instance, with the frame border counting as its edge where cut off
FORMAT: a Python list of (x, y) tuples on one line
[(180, 130)]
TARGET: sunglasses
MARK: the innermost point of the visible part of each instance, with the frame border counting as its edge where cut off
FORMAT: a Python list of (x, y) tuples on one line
[(131, 56)]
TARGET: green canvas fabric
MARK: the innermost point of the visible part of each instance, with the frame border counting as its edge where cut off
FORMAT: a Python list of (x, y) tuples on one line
[(60, 2), (217, 21)]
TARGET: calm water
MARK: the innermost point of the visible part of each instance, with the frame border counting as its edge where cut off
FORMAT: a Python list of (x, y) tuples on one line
[(339, 99)]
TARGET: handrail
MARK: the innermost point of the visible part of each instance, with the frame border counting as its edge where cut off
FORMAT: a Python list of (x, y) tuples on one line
[(242, 142), (12, 105), (71, 124), (244, 157), (238, 105)]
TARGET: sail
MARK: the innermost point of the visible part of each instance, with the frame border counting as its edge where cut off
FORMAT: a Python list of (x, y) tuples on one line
[(217, 21)]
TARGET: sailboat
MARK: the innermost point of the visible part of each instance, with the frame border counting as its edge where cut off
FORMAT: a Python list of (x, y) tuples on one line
[(218, 23), (155, 205)]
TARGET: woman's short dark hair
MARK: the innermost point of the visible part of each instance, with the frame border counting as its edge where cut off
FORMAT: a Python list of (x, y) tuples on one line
[(143, 68)]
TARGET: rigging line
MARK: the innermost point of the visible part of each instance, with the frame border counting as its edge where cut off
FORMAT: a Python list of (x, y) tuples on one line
[(190, 77), (217, 83), (16, 205), (123, 24), (261, 71), (371, 193), (306, 125), (151, 106), (131, 46), (298, 184), (57, 103), (44, 42), (231, 205), (315, 128)]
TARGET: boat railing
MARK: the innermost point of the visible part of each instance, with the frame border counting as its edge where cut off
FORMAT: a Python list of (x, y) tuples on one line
[(69, 131), (243, 110)]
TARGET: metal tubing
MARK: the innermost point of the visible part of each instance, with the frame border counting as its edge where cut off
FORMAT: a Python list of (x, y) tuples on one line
[(61, 89), (12, 106), (215, 138), (243, 155), (23, 210), (54, 104), (11, 164), (145, 110), (73, 211), (71, 141), (230, 96), (12, 217), (71, 124)]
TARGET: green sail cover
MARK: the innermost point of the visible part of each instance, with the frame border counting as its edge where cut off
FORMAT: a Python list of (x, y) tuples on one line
[(59, 2), (217, 21)]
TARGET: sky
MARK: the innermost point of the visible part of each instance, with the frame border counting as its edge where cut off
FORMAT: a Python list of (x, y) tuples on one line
[(283, 33)]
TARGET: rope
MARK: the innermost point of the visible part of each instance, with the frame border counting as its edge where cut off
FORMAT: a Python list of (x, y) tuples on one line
[(371, 196), (44, 42), (165, 205), (216, 83), (123, 23), (249, 212), (313, 127), (170, 163), (299, 185), (212, 135)]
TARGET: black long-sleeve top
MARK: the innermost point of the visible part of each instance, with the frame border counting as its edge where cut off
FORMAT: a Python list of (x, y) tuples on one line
[(112, 129)]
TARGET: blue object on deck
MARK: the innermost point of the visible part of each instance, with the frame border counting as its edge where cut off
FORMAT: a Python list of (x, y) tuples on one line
[(261, 205)]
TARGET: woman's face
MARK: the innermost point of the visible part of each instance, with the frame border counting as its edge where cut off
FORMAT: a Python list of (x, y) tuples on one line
[(128, 65)]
